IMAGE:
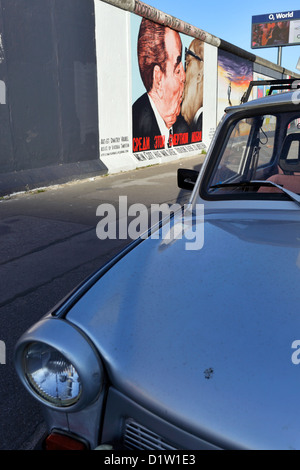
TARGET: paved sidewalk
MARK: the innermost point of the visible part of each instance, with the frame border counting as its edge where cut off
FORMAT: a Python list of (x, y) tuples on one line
[(48, 245), (58, 224)]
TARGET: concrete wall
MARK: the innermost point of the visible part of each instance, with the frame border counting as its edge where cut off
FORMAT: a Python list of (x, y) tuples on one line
[(227, 71), (69, 79), (48, 66)]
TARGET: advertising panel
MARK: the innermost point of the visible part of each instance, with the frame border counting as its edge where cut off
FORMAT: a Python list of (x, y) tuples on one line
[(167, 90), (276, 29)]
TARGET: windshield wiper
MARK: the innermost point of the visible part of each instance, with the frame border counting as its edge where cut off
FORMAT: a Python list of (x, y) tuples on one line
[(293, 196)]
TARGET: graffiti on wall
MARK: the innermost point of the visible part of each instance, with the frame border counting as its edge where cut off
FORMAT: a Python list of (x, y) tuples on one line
[(234, 76), (167, 90)]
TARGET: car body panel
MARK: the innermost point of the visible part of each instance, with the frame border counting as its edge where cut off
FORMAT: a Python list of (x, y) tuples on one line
[(217, 370), (197, 332)]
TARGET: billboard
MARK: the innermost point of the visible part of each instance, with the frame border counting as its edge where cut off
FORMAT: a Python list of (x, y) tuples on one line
[(276, 29)]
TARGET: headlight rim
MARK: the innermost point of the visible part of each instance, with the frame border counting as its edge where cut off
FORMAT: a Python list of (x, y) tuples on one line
[(62, 336)]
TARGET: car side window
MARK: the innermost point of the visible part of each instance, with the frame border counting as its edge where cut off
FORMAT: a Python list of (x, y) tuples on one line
[(266, 140), (249, 147), (229, 165), (294, 126)]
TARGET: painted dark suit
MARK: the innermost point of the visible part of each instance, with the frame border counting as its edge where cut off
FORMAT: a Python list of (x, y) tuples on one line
[(144, 122)]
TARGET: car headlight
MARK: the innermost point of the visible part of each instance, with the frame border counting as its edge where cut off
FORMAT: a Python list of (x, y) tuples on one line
[(59, 365), (51, 375)]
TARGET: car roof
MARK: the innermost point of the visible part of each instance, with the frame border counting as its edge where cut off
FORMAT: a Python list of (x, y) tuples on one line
[(282, 99)]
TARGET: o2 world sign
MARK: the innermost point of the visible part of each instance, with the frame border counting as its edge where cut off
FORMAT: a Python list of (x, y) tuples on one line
[(276, 29)]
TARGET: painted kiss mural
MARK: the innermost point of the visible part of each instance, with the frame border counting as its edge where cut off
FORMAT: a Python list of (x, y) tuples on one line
[(167, 89)]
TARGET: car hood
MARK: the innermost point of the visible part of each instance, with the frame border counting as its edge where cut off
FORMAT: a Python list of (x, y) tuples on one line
[(203, 338)]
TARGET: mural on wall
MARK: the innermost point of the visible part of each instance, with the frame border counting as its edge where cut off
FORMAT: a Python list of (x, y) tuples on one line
[(261, 90), (167, 79), (234, 76)]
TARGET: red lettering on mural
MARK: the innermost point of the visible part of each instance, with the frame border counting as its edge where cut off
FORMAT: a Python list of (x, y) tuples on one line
[(136, 143), (179, 139), (140, 143), (146, 143), (196, 136), (159, 141)]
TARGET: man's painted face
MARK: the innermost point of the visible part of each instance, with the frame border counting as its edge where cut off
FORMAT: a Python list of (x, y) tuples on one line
[(174, 78), (193, 91)]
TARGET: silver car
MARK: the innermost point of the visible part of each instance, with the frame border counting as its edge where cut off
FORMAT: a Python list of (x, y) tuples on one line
[(190, 337)]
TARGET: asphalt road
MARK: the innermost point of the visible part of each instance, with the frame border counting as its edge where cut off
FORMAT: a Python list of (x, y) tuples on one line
[(48, 245)]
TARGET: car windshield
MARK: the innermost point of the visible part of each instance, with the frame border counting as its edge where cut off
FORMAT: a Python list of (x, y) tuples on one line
[(259, 157)]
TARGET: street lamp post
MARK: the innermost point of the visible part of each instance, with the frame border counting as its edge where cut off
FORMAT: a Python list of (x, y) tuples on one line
[(279, 55)]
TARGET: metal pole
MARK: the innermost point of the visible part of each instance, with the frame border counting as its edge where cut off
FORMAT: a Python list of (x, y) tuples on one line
[(279, 55)]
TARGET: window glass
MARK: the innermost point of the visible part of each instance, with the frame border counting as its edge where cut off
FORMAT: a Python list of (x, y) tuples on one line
[(294, 126), (293, 151), (231, 159), (249, 147), (266, 140)]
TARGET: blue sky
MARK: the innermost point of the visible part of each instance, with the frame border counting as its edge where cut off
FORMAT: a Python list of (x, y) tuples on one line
[(231, 20)]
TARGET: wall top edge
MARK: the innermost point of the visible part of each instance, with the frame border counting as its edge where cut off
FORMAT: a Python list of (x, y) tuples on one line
[(147, 11)]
